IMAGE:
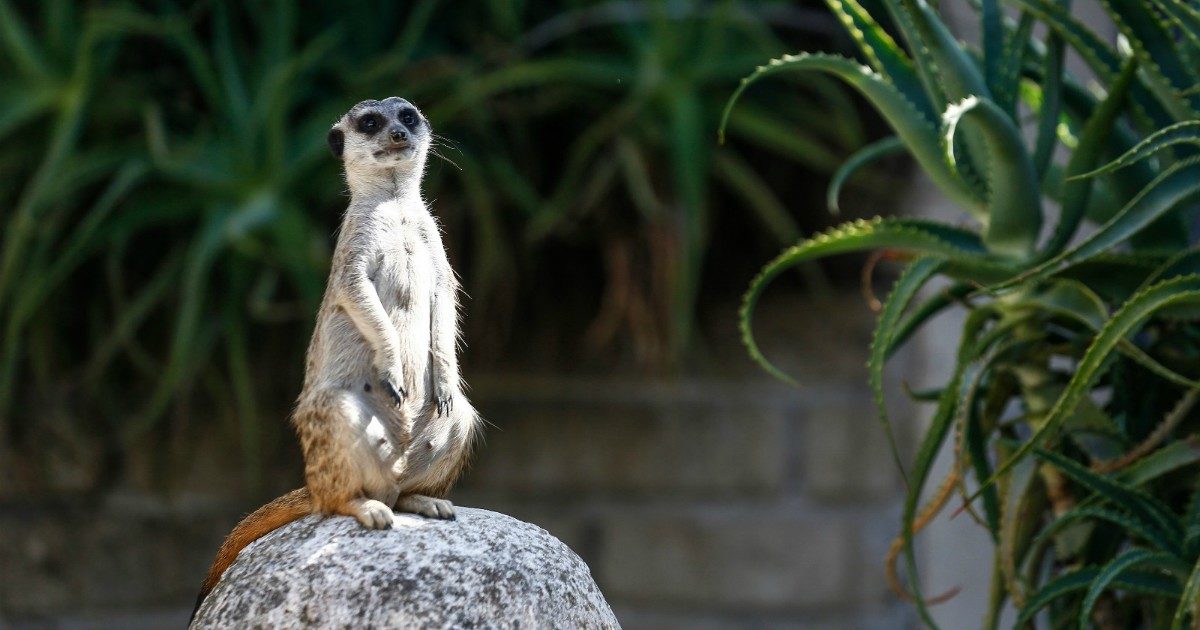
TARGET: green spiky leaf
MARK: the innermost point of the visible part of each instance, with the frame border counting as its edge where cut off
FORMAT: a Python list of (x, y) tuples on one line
[(899, 234), (916, 132), (1014, 207), (1186, 132), (864, 156)]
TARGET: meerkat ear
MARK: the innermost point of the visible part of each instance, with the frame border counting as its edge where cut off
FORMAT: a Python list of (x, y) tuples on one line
[(337, 142)]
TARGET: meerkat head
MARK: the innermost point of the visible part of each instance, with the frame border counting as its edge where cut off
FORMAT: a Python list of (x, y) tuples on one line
[(379, 136)]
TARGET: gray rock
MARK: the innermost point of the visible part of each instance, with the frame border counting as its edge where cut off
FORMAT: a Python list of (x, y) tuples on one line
[(483, 570)]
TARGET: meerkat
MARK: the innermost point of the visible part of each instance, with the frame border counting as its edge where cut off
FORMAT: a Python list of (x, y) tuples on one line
[(382, 419)]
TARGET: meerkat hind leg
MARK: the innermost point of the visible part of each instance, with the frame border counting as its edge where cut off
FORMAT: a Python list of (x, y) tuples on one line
[(426, 506), (334, 460)]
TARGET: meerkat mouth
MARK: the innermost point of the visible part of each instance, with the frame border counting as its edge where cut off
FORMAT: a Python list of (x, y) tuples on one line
[(405, 151)]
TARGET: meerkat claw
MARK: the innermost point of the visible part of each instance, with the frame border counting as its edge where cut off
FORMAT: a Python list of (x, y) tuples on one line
[(395, 391)]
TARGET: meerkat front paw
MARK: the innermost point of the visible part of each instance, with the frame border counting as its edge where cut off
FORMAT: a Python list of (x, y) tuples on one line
[(373, 514), (443, 398), (426, 506), (390, 380)]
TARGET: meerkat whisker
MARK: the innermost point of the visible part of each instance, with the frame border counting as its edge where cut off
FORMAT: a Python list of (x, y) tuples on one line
[(439, 155)]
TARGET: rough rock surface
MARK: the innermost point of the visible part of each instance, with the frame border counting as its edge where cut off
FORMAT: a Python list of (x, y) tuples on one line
[(483, 570)]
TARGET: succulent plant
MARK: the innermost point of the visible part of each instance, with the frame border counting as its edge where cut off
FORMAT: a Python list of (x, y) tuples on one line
[(1072, 400)]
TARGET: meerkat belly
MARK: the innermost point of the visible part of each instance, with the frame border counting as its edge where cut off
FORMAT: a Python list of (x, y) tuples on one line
[(405, 281)]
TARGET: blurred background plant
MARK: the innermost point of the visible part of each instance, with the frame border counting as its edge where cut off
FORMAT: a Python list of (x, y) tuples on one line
[(1072, 402), (168, 204)]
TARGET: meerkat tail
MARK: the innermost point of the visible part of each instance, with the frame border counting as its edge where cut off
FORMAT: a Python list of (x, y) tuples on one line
[(259, 523)]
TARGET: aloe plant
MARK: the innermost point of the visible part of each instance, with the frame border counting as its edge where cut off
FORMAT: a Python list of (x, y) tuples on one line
[(1071, 404)]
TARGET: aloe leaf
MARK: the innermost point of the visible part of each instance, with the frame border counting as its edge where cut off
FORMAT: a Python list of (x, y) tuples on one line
[(883, 54), (907, 285), (130, 317), (902, 234), (688, 152), (1172, 190), (1098, 55), (737, 174), (235, 101), (874, 151), (1075, 300), (1070, 298), (1080, 105), (956, 71), (1135, 527), (1185, 263), (1186, 132), (931, 444), (587, 72), (222, 226), (1018, 46), (1048, 114), (1171, 457), (1113, 276), (975, 438), (909, 124), (1015, 207), (928, 309), (19, 43), (1187, 19), (1152, 513), (1125, 321), (176, 30), (1065, 584), (923, 62), (1025, 499), (1155, 47), (1095, 52), (1077, 195), (82, 241), (1147, 582), (240, 382), (1189, 602), (948, 73), (20, 106), (1113, 570), (991, 19), (764, 128)]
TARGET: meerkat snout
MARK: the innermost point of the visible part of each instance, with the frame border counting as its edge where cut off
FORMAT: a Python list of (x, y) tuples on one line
[(391, 133)]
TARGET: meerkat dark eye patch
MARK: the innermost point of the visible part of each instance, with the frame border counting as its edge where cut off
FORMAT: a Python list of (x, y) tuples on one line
[(370, 124), (337, 142), (409, 118)]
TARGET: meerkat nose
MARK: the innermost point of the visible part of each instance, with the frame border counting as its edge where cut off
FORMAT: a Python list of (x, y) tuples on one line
[(398, 135)]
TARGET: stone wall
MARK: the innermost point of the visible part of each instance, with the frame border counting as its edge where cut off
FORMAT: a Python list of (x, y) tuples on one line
[(722, 499)]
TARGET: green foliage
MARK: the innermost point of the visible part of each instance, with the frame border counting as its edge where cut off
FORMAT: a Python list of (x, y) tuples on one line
[(168, 199), (1075, 384)]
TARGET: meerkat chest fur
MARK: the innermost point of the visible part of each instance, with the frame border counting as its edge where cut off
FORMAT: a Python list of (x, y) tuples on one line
[(403, 268), (403, 245)]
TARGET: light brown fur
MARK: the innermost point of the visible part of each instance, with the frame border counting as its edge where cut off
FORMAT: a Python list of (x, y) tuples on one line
[(382, 419)]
